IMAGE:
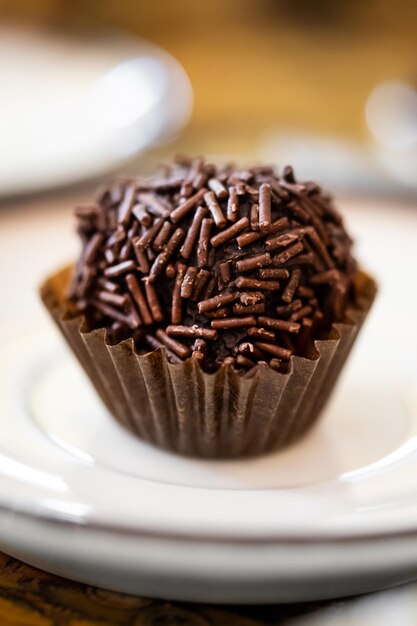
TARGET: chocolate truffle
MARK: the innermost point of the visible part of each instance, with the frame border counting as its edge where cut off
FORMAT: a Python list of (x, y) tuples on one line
[(224, 265)]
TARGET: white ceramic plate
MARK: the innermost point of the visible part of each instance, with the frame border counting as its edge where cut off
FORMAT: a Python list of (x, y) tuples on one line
[(335, 514), (78, 104)]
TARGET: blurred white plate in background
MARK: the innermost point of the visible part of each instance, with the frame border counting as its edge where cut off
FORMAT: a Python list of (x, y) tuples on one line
[(74, 106)]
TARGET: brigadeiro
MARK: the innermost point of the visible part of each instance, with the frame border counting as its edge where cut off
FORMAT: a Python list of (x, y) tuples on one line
[(212, 307)]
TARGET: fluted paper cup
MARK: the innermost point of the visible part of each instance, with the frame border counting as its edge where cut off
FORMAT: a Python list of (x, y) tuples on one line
[(181, 408)]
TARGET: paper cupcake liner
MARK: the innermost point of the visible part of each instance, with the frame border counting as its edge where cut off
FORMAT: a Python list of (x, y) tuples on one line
[(181, 408)]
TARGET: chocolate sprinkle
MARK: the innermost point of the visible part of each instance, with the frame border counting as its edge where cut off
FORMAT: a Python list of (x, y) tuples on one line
[(241, 309), (253, 262), (247, 238), (281, 241), (273, 273), (113, 313), (175, 346), (191, 331), (179, 213), (244, 267), (232, 205), (261, 333), (248, 349), (163, 236), (154, 343), (264, 207), (203, 242), (112, 298), (163, 258), (276, 351), (216, 302), (245, 362), (153, 302), (254, 283), (254, 217), (283, 257), (286, 309), (148, 237), (215, 210), (108, 285), (292, 285), (200, 282), (278, 324), (176, 310), (218, 188), (234, 322), (225, 273), (188, 282), (139, 298), (305, 310), (191, 238), (121, 268), (92, 247), (229, 233), (141, 256), (217, 313)]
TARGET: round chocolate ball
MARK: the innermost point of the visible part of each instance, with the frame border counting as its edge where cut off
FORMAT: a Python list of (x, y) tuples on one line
[(244, 267)]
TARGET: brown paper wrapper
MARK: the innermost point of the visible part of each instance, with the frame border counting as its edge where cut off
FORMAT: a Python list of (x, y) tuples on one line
[(180, 408)]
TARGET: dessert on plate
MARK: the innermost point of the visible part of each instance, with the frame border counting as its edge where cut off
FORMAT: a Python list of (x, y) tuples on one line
[(212, 307)]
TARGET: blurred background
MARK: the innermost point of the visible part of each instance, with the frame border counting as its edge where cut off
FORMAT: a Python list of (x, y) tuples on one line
[(94, 88), (328, 86)]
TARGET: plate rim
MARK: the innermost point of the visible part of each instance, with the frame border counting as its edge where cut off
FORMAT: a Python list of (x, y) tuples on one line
[(242, 536), (106, 527)]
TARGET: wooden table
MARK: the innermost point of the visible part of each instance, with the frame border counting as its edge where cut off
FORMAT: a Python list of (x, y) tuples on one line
[(30, 597)]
